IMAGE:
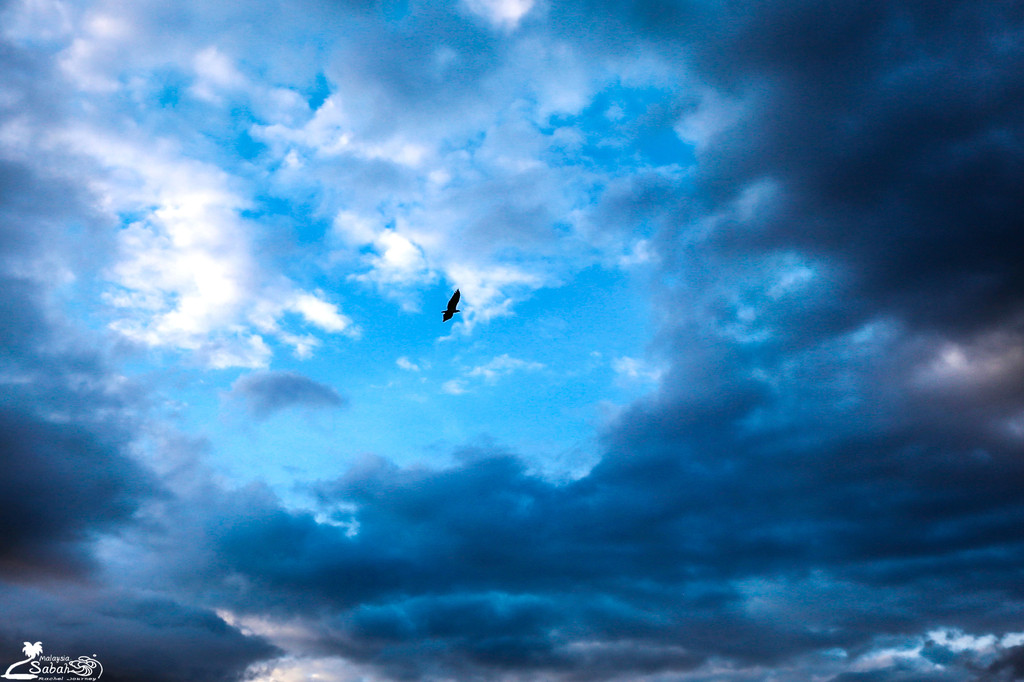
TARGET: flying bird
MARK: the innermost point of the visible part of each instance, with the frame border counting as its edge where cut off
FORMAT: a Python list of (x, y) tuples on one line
[(451, 310)]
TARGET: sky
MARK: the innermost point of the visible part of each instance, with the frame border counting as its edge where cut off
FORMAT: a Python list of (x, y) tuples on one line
[(736, 392)]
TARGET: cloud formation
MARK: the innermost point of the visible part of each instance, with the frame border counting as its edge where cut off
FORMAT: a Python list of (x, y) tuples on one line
[(823, 202)]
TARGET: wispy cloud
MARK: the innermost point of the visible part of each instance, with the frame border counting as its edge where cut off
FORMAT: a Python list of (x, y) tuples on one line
[(490, 373), (405, 363), (502, 365)]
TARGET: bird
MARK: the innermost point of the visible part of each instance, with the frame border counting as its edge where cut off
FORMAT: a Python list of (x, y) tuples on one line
[(451, 309)]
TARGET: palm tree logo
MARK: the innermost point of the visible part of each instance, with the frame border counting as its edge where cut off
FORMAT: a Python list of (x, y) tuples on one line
[(31, 650)]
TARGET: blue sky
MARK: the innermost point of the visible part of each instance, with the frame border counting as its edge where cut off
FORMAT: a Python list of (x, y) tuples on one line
[(735, 393)]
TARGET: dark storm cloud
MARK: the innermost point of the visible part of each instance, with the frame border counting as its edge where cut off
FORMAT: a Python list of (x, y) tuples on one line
[(64, 419), (134, 636), (893, 132), (891, 129), (648, 565), (477, 559), (61, 483), (1010, 665), (824, 427), (265, 393)]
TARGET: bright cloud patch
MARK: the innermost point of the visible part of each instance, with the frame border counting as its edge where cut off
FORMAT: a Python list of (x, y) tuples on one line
[(398, 261), (215, 73), (631, 370), (320, 313), (407, 364), (186, 276), (502, 13)]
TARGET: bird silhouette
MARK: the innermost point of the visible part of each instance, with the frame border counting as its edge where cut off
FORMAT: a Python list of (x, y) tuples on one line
[(451, 310)]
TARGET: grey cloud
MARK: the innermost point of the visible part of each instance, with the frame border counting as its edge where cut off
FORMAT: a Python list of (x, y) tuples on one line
[(61, 484), (66, 423), (892, 144), (1010, 664), (427, 64), (265, 393), (888, 129), (135, 636)]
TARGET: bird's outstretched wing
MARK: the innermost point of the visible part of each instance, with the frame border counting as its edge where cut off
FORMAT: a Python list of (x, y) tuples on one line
[(447, 313)]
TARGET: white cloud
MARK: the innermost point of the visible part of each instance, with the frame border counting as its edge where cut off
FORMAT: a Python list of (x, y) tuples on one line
[(633, 370), (793, 276), (300, 639), (472, 199), (500, 366), (486, 290), (330, 132), (327, 132), (639, 253), (320, 313), (185, 274), (398, 261), (459, 214), (185, 269), (88, 61), (714, 114), (908, 656), (1011, 639), (243, 351), (980, 650), (502, 13), (454, 387), (489, 372), (415, 230), (958, 641), (353, 229), (302, 344), (215, 72), (306, 668), (407, 364)]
